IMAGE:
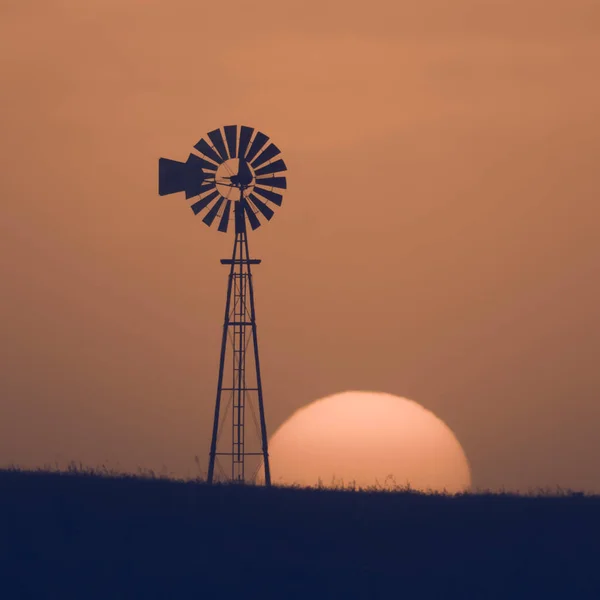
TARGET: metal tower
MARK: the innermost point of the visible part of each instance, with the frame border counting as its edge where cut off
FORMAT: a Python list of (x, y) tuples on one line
[(227, 181)]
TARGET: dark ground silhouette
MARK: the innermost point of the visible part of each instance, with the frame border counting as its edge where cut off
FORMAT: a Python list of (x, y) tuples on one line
[(89, 536)]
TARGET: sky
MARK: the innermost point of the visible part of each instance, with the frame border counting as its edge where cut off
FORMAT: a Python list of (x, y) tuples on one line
[(438, 239)]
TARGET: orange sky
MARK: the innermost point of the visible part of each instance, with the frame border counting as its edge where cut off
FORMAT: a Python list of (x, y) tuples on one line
[(438, 239)]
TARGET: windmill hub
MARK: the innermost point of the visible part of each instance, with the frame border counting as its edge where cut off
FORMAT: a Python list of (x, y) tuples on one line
[(233, 177)]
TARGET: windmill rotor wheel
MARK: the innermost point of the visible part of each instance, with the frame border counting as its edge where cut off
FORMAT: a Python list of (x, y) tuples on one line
[(237, 176)]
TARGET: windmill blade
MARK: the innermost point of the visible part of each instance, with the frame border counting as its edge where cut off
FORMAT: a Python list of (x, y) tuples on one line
[(202, 204), (194, 189), (202, 146), (274, 197), (278, 182), (275, 167), (225, 217), (216, 137), (245, 135), (254, 222), (203, 164), (262, 207), (212, 213), (270, 151), (231, 137), (259, 141)]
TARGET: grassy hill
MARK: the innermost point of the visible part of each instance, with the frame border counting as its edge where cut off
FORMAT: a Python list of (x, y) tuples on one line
[(88, 536)]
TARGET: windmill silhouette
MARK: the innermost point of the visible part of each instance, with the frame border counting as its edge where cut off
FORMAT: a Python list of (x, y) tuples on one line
[(239, 173)]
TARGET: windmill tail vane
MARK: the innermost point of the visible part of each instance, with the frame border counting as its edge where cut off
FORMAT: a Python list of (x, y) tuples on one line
[(237, 175)]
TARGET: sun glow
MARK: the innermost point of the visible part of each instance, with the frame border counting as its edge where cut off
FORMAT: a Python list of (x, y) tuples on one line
[(368, 439)]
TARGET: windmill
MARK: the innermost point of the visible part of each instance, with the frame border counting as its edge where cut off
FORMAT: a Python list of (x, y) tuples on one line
[(235, 180)]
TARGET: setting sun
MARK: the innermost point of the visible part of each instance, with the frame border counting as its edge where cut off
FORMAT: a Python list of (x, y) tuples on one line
[(368, 439)]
